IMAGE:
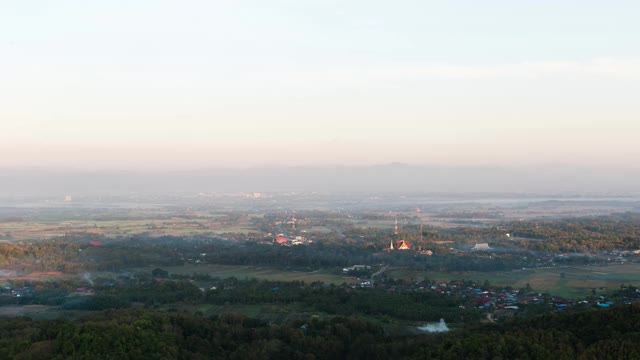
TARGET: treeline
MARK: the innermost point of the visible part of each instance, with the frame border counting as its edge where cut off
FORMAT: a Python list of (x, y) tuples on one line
[(352, 245), (596, 334), (86, 252), (41, 256), (146, 334), (620, 231), (583, 234), (404, 305), (314, 297), (139, 251)]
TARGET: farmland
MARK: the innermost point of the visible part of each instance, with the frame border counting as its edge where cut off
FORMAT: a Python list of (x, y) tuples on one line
[(572, 282), (29, 230), (260, 273)]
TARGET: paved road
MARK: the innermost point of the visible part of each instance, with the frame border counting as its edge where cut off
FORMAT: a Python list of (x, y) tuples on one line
[(377, 273)]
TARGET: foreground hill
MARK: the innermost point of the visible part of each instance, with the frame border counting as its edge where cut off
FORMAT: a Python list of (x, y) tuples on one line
[(147, 334)]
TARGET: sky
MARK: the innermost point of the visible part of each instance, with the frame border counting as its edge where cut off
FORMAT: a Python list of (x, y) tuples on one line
[(247, 83)]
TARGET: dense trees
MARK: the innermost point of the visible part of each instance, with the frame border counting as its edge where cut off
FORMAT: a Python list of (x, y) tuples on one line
[(145, 334), (619, 231), (40, 256)]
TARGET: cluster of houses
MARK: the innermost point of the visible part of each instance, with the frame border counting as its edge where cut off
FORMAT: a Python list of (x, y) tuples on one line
[(84, 291), (512, 299), (498, 302), (355, 268), (285, 241), (20, 291), (482, 297)]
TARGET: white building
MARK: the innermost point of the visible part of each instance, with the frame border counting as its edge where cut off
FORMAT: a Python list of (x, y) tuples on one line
[(481, 247)]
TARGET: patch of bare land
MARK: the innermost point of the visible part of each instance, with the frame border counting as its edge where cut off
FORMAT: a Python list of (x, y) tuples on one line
[(24, 310), (569, 281), (257, 272), (22, 231), (39, 276)]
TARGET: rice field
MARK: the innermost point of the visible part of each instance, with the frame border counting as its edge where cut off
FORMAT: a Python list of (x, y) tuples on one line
[(571, 281), (261, 273), (31, 230)]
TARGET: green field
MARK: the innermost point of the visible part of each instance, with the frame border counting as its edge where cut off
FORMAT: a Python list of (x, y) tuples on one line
[(35, 230), (273, 313), (571, 282), (255, 272)]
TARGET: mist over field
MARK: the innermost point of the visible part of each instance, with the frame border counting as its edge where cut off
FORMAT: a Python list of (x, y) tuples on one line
[(383, 178)]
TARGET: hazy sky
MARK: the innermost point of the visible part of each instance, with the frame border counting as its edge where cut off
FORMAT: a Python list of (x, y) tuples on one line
[(181, 84)]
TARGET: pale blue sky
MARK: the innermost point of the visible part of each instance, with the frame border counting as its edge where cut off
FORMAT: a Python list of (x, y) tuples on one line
[(216, 83)]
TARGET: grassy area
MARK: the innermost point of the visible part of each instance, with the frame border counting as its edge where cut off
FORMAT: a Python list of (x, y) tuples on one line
[(272, 313), (572, 282), (250, 272), (178, 226)]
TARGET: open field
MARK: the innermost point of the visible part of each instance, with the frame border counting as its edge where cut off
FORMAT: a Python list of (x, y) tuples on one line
[(222, 271), (28, 230), (571, 282), (263, 273), (22, 310), (273, 313), (37, 276)]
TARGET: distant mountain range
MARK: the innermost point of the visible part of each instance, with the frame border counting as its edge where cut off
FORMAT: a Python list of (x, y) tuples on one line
[(383, 178)]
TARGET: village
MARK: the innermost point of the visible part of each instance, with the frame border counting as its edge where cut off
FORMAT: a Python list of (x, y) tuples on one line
[(498, 302)]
